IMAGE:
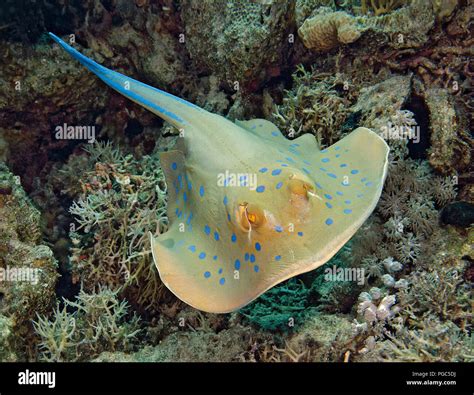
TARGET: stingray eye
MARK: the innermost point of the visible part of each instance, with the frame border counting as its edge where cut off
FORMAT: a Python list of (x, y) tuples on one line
[(300, 187), (250, 216)]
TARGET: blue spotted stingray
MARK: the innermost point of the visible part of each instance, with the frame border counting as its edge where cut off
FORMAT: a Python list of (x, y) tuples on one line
[(249, 208)]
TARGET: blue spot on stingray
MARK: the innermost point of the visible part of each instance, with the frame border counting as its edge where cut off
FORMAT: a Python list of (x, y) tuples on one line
[(332, 175), (325, 160), (220, 271), (226, 200), (300, 234), (207, 274), (284, 165), (289, 159), (256, 268), (207, 230), (370, 183), (343, 165), (279, 185), (275, 134), (237, 264), (324, 150), (180, 180), (347, 211), (322, 169), (337, 148), (247, 256), (202, 255), (277, 258), (338, 155), (201, 191), (354, 171), (278, 228), (174, 166), (252, 258), (347, 201), (306, 170), (260, 189), (228, 217), (216, 236), (327, 196), (339, 193), (276, 172), (185, 197), (329, 221), (233, 238), (363, 179), (319, 185), (263, 170), (192, 248), (258, 247), (214, 257), (328, 205), (190, 217), (222, 281)]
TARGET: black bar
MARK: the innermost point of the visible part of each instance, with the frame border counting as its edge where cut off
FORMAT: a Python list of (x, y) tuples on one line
[(242, 377)]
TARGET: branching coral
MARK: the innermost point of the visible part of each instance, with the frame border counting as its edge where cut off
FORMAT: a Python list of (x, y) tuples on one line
[(122, 201), (99, 322), (380, 7), (317, 104), (443, 292), (432, 341)]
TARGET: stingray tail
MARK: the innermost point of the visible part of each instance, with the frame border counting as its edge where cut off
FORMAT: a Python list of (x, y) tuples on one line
[(177, 111)]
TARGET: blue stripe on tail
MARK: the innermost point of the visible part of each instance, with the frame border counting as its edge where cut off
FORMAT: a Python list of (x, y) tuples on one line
[(108, 76)]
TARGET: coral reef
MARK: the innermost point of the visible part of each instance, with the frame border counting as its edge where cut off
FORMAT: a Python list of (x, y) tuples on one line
[(401, 68), (28, 270), (317, 104), (328, 30), (450, 145), (254, 28), (98, 323), (122, 200), (281, 308)]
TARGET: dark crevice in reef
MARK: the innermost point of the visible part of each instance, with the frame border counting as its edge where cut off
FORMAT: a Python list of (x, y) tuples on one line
[(418, 149)]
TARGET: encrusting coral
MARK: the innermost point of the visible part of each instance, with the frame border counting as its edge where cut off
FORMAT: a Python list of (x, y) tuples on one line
[(28, 270), (328, 30)]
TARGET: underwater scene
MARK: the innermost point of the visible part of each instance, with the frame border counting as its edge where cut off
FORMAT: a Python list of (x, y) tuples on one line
[(236, 181)]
